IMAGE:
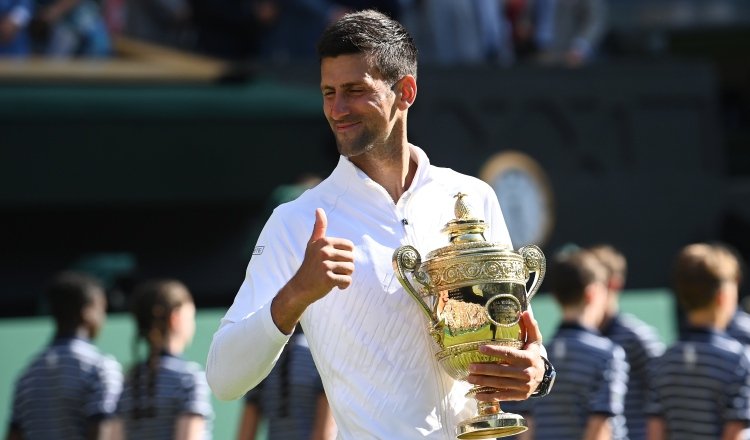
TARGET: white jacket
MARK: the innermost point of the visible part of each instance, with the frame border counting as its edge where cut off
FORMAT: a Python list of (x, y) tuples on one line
[(370, 341)]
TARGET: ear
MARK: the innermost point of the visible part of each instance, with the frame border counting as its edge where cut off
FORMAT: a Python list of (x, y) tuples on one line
[(406, 92), (726, 297), (174, 319), (88, 314), (616, 283), (594, 292), (588, 294)]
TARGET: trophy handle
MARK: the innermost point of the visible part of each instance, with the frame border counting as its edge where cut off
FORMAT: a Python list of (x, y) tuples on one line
[(533, 257), (407, 259)]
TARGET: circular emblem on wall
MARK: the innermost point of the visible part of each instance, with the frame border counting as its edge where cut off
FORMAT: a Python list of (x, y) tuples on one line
[(525, 196), (504, 310)]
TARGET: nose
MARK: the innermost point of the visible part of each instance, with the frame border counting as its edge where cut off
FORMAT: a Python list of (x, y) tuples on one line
[(338, 107)]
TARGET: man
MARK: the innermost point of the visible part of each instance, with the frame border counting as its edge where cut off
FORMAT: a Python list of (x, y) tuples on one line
[(640, 341), (369, 339), (739, 326), (70, 390), (701, 387), (593, 371)]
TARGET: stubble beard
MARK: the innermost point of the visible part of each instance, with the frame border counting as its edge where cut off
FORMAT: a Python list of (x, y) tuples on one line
[(364, 143)]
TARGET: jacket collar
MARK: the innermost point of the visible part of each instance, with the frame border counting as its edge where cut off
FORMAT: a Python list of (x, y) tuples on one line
[(350, 177)]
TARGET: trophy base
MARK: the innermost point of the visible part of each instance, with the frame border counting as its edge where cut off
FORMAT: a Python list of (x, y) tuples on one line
[(491, 426)]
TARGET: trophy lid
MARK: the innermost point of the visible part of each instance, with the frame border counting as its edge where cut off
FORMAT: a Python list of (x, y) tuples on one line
[(465, 227), (466, 234)]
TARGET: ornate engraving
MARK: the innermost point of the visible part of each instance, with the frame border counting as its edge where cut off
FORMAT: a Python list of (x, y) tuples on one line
[(504, 310), (443, 275), (408, 258)]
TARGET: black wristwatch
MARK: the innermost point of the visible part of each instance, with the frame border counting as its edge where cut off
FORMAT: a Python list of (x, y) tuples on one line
[(547, 381)]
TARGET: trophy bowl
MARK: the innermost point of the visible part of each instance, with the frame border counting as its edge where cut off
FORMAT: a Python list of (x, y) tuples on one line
[(473, 293)]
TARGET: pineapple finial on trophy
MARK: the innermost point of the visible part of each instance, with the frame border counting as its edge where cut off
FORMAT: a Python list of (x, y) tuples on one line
[(465, 227), (461, 209)]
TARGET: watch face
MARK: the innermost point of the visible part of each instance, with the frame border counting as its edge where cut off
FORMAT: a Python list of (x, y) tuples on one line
[(524, 195)]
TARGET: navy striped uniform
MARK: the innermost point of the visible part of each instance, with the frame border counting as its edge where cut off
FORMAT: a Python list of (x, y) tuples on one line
[(739, 327), (180, 389), (288, 397), (65, 387), (592, 376), (701, 382), (642, 346)]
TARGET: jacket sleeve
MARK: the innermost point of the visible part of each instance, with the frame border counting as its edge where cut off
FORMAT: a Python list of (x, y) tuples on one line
[(247, 344)]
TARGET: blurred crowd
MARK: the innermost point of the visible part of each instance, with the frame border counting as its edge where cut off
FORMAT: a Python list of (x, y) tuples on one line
[(448, 31)]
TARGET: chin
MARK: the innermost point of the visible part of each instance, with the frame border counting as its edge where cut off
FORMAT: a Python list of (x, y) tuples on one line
[(349, 152)]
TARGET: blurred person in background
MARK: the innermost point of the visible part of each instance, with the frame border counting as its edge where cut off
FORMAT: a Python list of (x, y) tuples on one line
[(640, 341), (70, 390), (291, 399), (592, 370), (701, 384), (465, 32), (163, 22), (518, 18), (69, 28), (739, 326), (568, 32), (15, 16), (233, 30), (300, 23), (165, 396)]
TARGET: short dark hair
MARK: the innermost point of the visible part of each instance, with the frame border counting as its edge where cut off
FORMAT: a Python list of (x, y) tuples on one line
[(699, 271), (68, 294), (386, 43), (571, 272)]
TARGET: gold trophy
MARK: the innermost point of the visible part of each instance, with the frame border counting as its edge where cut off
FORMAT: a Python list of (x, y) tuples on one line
[(473, 292)]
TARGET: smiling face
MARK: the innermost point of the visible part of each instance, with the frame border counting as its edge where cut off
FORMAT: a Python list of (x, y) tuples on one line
[(358, 104)]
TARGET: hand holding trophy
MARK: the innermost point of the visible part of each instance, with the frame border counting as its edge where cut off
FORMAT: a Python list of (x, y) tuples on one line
[(474, 293)]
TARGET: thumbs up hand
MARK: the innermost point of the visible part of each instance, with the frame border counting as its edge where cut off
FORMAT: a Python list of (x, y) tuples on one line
[(328, 263)]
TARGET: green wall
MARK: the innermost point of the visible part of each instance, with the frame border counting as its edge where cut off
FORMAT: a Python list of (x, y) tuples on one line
[(21, 338)]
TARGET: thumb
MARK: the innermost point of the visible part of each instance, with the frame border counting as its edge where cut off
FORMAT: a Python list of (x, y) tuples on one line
[(533, 334), (321, 224)]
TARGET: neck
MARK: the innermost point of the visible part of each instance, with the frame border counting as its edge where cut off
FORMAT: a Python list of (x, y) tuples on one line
[(582, 315), (175, 346), (78, 332), (393, 169), (706, 318)]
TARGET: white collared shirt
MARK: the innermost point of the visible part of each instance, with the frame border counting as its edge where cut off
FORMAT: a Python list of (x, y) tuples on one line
[(370, 341)]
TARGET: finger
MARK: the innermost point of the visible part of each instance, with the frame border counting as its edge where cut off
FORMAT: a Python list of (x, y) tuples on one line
[(321, 224), (497, 370), (498, 383), (330, 253), (340, 267), (502, 395), (533, 334), (504, 355), (341, 243), (341, 281)]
